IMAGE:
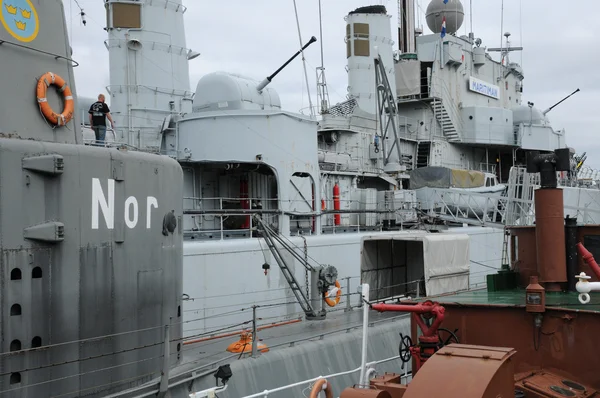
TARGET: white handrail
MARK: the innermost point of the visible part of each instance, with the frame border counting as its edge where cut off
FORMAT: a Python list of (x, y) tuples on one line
[(267, 392), (365, 330)]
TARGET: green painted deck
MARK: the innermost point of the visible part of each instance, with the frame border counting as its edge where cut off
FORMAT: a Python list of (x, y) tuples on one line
[(516, 298)]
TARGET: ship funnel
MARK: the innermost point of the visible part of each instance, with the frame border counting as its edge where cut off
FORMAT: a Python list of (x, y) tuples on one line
[(34, 44), (368, 35), (268, 79), (143, 94), (549, 217)]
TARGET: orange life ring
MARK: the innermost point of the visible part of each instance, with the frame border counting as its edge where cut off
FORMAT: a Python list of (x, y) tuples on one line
[(46, 81), (318, 387), (338, 296)]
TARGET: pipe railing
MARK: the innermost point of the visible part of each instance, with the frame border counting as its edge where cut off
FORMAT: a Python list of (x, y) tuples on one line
[(266, 393), (197, 211)]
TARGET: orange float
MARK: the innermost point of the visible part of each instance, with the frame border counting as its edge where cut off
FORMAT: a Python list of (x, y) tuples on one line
[(338, 295), (318, 387), (50, 79), (244, 345)]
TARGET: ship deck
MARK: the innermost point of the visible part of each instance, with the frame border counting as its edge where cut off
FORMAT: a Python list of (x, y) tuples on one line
[(207, 355), (516, 298), (333, 342)]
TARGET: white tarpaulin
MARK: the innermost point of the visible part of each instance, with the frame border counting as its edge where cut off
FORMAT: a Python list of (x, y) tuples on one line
[(408, 78), (394, 264), (446, 263)]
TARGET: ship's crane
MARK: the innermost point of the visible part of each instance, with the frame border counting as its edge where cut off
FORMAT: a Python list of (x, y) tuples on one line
[(322, 277)]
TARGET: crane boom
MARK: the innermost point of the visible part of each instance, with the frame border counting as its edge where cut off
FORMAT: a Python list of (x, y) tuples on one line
[(324, 277)]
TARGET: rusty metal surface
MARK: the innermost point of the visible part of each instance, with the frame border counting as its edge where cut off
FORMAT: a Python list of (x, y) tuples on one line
[(355, 392), (550, 238), (386, 378), (396, 390), (567, 341), (389, 382), (552, 385), (465, 371), (524, 251)]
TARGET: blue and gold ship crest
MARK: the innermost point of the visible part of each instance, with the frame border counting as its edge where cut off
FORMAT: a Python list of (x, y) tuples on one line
[(20, 19)]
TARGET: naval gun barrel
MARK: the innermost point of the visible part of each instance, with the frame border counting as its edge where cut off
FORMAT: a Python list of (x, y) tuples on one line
[(559, 102), (268, 79)]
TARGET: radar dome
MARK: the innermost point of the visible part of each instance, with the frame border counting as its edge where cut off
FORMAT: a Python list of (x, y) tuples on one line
[(453, 11)]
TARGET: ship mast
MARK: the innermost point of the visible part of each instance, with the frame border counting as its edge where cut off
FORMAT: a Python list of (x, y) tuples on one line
[(322, 92), (504, 51), (303, 60), (406, 26)]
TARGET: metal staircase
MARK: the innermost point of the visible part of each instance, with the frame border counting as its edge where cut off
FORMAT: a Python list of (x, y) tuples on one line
[(443, 117)]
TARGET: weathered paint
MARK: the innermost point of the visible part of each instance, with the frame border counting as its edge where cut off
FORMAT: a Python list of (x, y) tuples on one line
[(93, 282), (567, 340)]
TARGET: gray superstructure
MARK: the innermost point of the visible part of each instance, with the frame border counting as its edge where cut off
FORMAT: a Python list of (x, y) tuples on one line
[(326, 181), (91, 241)]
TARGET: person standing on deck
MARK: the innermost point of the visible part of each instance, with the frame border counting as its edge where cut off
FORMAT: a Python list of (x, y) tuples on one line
[(99, 111)]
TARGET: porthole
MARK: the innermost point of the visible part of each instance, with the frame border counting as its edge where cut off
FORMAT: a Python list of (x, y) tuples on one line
[(36, 342), (15, 378), (15, 345), (15, 274), (15, 310), (36, 273)]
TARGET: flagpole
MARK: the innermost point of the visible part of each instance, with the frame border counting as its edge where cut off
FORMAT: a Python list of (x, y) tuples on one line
[(441, 52), (442, 34)]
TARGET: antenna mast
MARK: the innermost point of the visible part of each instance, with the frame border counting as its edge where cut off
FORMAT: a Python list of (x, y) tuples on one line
[(322, 92), (471, 17), (504, 51), (501, 33), (303, 60)]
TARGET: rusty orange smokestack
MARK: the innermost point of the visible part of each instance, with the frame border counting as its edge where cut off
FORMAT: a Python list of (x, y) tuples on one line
[(550, 237), (549, 217)]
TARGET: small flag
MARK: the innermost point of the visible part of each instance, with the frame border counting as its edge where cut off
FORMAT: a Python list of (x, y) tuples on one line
[(443, 33), (445, 1)]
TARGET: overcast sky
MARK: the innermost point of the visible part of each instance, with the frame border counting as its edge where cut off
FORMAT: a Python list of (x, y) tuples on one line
[(255, 37)]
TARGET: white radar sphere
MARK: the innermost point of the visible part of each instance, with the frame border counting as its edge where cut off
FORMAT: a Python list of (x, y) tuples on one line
[(453, 11)]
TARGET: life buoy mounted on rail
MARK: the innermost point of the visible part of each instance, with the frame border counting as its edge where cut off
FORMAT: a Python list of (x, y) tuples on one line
[(338, 295), (57, 119), (321, 385)]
